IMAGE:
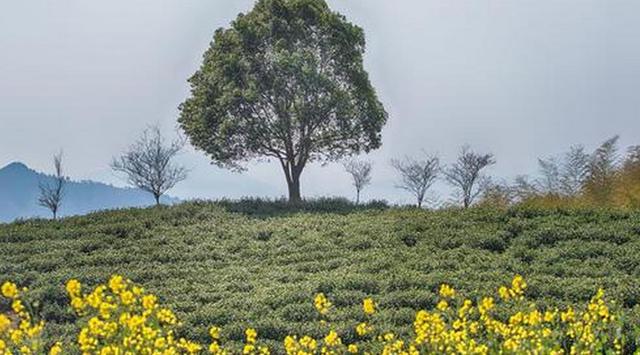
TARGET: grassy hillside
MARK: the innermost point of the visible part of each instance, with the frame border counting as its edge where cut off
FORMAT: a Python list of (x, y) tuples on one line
[(239, 264)]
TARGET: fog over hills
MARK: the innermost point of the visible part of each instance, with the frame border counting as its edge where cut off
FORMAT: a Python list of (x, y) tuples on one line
[(19, 193)]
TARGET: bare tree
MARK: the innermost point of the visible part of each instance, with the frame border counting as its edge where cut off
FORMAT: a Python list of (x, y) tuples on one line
[(417, 176), (564, 176), (604, 160), (602, 170), (523, 188), (360, 172), (148, 164), (51, 194), (550, 180), (497, 194), (466, 174), (575, 169)]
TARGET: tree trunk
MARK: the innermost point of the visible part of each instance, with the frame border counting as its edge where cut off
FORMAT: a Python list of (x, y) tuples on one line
[(294, 189), (157, 198), (357, 197), (292, 173)]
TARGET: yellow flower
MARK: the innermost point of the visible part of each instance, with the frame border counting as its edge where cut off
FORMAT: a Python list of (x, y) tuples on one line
[(332, 339), (447, 291), (117, 284), (363, 329), (189, 346), (214, 348), (486, 305), (248, 349), (149, 302), (56, 349), (106, 309), (518, 285), (127, 298), (214, 332), (251, 335), (78, 304), (5, 322), (504, 293), (549, 316), (352, 349), (568, 315), (322, 304), (308, 342), (74, 288), (17, 306), (368, 306), (442, 306), (166, 316), (9, 290)]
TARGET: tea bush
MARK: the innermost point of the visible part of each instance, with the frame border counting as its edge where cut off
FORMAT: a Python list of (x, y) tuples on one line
[(241, 269)]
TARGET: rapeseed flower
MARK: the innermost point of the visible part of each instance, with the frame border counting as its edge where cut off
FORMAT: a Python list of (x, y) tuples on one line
[(368, 306)]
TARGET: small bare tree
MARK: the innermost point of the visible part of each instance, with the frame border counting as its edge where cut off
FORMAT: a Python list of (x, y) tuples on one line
[(466, 174), (360, 172), (497, 194), (575, 170), (52, 193), (603, 167), (148, 164), (417, 176), (549, 182), (523, 188)]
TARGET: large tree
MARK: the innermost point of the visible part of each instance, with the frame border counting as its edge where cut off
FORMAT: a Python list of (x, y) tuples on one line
[(285, 81)]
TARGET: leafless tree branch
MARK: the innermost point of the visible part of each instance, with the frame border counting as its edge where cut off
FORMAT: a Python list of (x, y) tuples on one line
[(148, 164), (51, 194), (417, 176), (360, 172), (466, 174)]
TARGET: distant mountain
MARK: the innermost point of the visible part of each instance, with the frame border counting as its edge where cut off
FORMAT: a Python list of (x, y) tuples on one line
[(19, 193)]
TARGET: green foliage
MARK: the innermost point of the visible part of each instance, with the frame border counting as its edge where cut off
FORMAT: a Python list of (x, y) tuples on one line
[(263, 266)]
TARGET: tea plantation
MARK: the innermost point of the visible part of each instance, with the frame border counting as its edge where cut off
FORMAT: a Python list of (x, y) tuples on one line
[(260, 264)]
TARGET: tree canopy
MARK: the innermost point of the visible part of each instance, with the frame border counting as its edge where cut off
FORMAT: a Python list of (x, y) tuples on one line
[(284, 81)]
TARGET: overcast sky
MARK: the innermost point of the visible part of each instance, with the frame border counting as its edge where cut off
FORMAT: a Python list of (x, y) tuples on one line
[(521, 78)]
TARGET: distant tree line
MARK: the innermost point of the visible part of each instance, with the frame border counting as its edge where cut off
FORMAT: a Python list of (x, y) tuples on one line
[(602, 178), (417, 175)]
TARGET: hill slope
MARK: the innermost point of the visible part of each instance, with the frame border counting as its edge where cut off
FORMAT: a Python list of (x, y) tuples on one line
[(230, 269), (19, 195)]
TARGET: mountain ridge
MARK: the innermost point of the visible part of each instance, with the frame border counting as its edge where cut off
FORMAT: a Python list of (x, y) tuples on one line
[(19, 193)]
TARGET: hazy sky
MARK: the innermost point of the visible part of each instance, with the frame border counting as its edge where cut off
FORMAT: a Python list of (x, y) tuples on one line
[(520, 78)]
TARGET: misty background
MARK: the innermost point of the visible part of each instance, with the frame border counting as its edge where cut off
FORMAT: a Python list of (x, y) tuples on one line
[(522, 79)]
